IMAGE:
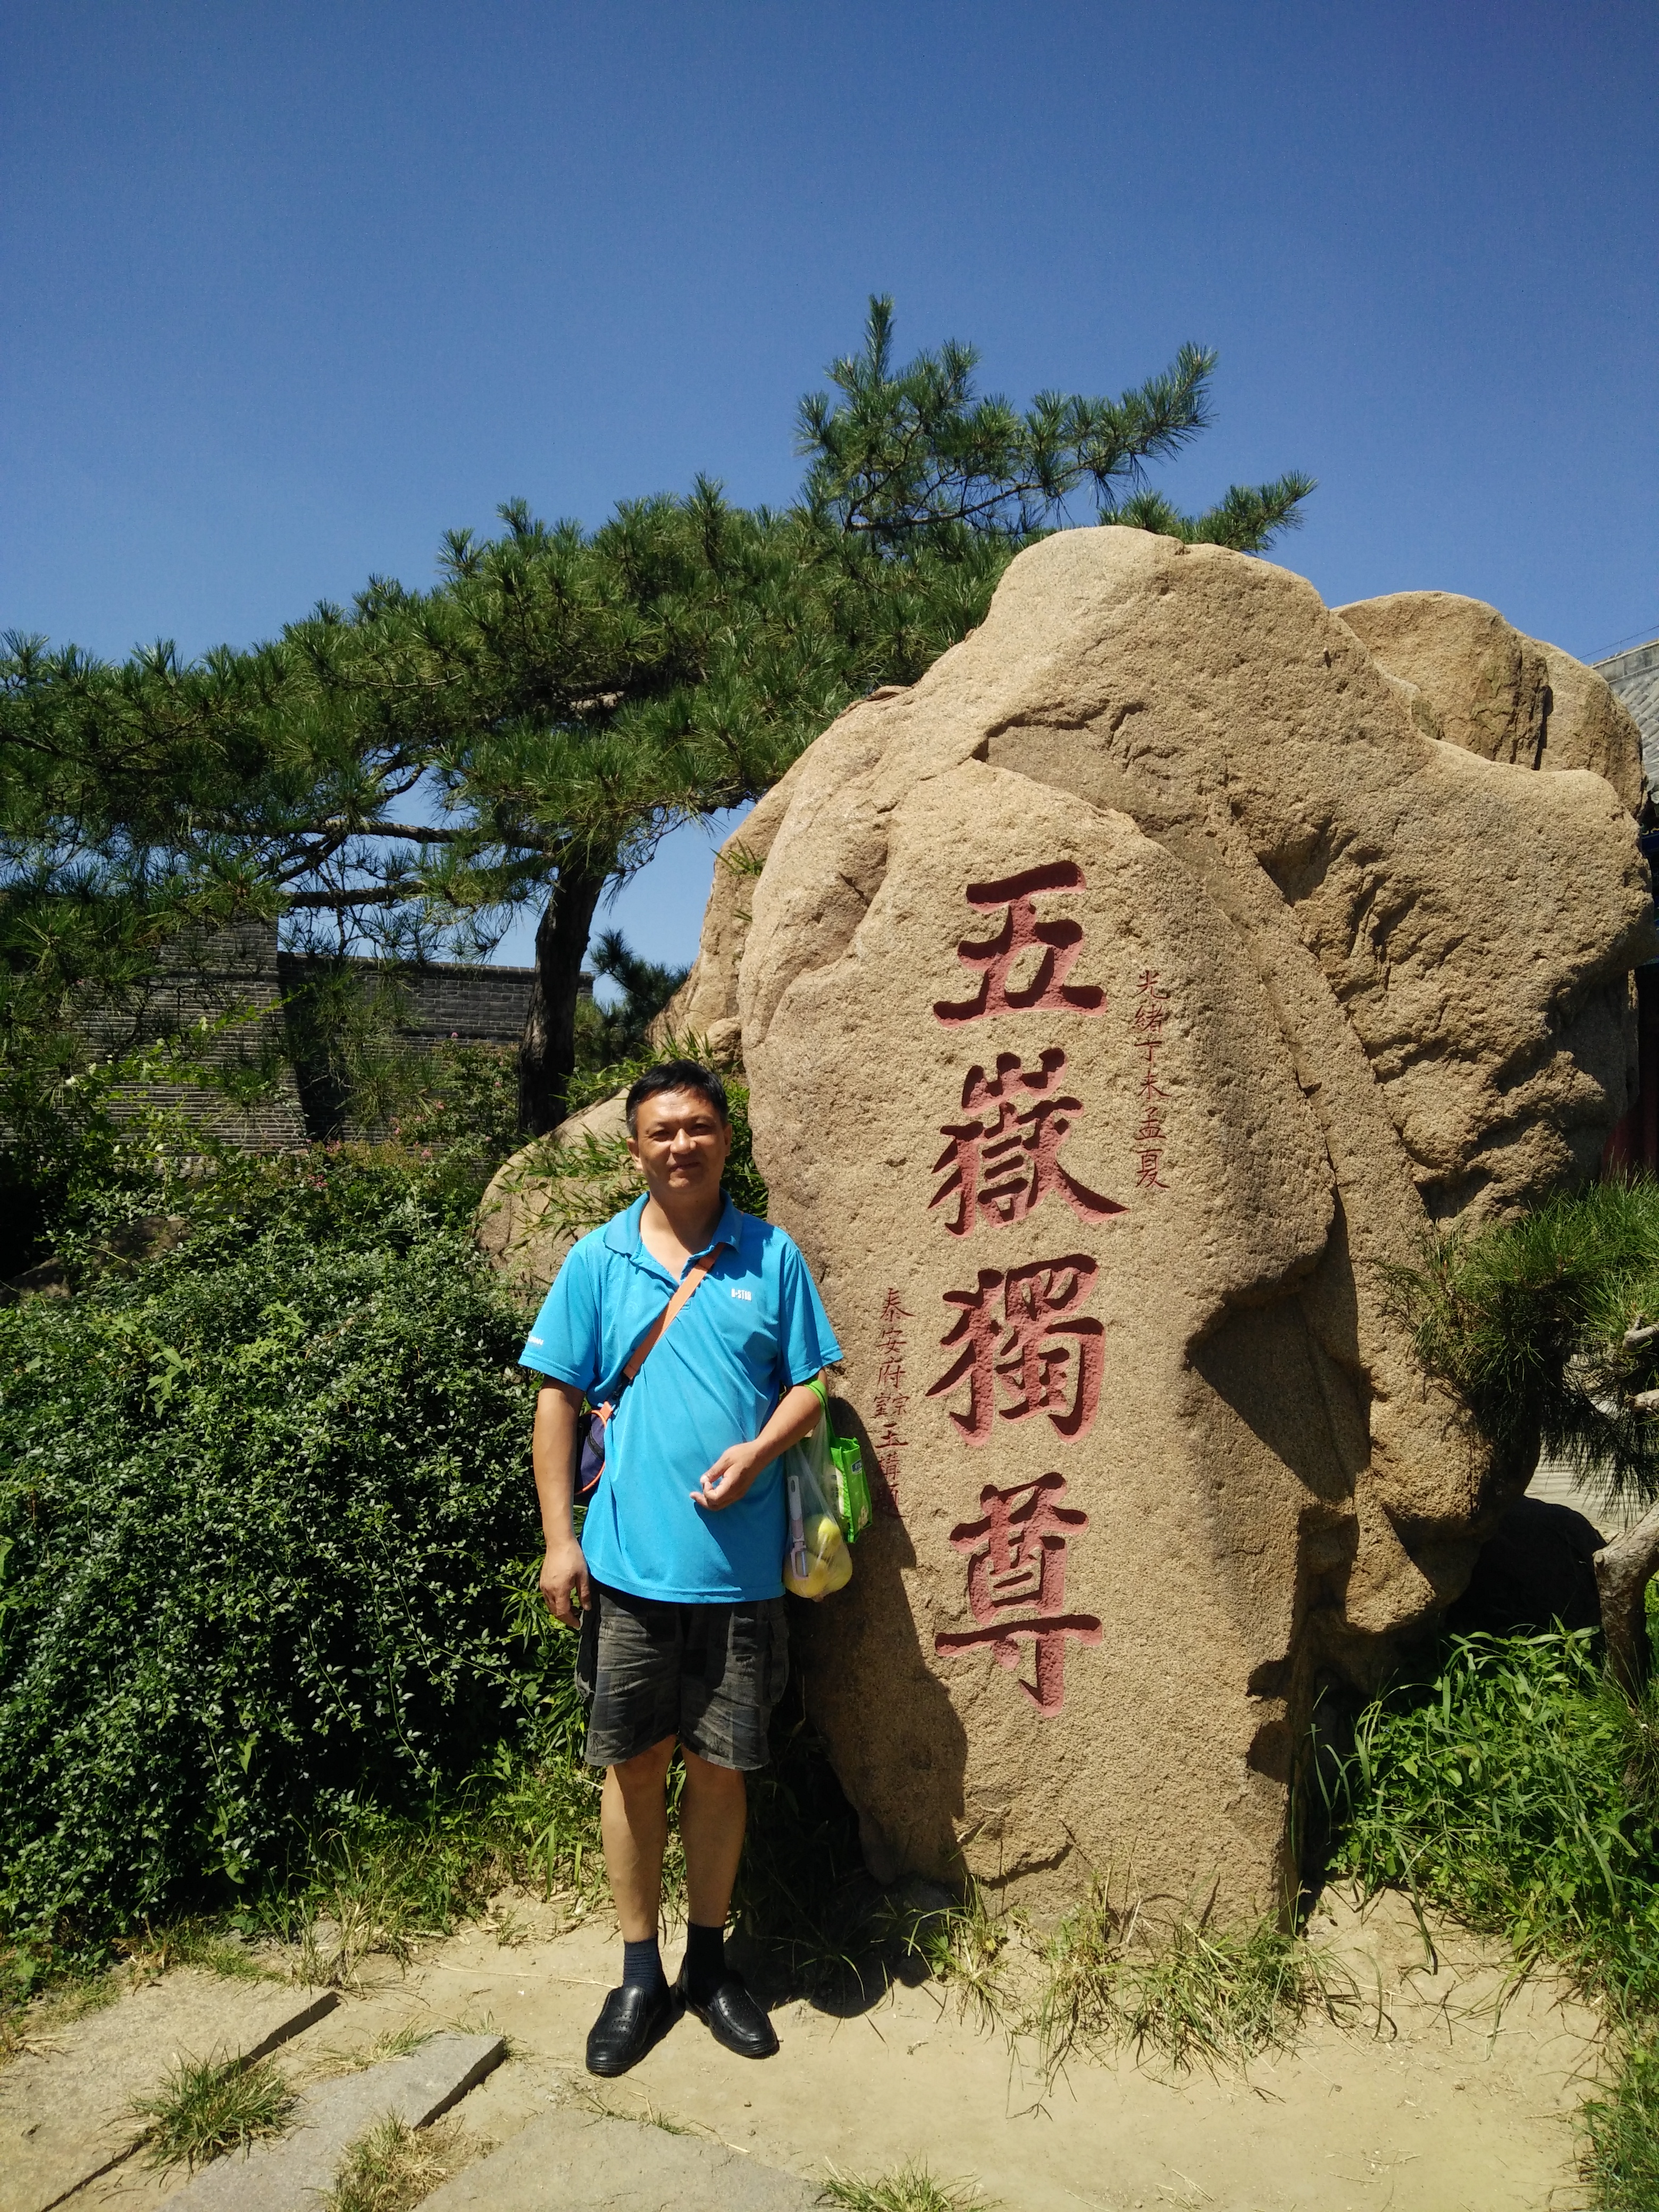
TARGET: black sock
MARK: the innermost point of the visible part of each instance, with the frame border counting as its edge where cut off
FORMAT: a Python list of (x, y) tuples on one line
[(642, 1966), (705, 1958)]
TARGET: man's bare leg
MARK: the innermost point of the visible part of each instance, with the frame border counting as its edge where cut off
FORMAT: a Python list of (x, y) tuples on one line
[(634, 1827), (713, 1812), (634, 1824)]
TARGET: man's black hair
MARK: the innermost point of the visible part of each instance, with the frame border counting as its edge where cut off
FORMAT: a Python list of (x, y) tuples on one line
[(675, 1075)]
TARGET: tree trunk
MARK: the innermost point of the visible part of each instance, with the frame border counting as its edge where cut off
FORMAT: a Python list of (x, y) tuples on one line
[(547, 1050), (1623, 1572)]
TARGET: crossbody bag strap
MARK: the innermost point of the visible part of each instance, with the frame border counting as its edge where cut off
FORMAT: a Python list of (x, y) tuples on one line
[(590, 1454), (682, 1298)]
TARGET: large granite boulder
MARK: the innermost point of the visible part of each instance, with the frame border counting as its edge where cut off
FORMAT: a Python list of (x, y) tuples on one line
[(1121, 1004), (706, 1005)]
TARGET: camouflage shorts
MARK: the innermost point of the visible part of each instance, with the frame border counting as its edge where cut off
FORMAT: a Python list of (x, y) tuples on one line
[(709, 1674)]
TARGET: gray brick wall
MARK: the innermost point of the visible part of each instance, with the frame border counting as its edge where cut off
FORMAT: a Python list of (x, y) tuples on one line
[(237, 978), (476, 1005)]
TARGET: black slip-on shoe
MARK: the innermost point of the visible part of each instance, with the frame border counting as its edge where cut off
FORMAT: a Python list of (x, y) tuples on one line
[(630, 2021), (731, 2014)]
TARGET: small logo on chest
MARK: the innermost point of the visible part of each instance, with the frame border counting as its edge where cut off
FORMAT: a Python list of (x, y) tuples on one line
[(747, 1295)]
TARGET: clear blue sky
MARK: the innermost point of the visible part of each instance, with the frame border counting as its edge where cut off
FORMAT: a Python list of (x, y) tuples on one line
[(291, 288)]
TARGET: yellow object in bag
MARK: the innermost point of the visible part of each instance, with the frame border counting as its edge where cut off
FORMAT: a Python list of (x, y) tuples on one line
[(819, 1558)]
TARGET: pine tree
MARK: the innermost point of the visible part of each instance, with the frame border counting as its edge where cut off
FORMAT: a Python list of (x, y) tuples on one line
[(402, 775)]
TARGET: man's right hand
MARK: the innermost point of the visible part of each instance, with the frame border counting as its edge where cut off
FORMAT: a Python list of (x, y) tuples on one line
[(564, 1578)]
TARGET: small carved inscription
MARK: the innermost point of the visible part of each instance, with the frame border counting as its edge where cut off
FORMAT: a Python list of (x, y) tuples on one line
[(1150, 1013), (891, 1402)]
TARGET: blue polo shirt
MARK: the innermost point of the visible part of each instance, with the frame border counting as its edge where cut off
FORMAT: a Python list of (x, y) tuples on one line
[(754, 1327)]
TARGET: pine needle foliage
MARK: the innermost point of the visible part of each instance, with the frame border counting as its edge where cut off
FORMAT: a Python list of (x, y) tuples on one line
[(1526, 1322), (607, 1034), (401, 776), (913, 455)]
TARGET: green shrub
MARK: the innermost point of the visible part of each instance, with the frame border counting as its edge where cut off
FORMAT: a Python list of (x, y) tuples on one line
[(259, 1502)]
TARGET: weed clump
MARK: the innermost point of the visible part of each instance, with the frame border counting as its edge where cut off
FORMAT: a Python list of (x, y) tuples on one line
[(909, 2188), (393, 2167), (1177, 1985), (206, 2107)]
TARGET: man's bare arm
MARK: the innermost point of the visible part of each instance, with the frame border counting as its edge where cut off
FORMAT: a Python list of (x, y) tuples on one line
[(734, 1472), (552, 1451)]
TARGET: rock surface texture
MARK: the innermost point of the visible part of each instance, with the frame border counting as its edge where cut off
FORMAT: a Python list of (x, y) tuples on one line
[(522, 1229), (1121, 1005), (1470, 679)]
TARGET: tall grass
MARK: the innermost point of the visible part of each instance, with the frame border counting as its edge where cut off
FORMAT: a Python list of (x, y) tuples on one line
[(1514, 1787)]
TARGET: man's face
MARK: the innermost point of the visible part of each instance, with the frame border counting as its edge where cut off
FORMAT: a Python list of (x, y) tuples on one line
[(681, 1144)]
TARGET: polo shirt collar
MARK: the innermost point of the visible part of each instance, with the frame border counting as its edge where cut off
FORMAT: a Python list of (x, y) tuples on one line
[(622, 1234)]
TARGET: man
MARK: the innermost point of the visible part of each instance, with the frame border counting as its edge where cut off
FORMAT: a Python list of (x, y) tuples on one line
[(678, 1575)]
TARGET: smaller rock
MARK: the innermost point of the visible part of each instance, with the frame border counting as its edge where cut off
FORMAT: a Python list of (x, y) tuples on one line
[(148, 1238), (1536, 1568), (50, 1280), (924, 1896), (522, 1234)]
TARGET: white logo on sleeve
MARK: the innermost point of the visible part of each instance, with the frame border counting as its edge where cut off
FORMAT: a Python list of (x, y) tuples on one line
[(748, 1295)]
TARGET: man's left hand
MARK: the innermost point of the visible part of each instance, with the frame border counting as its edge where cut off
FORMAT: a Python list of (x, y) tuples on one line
[(731, 1476)]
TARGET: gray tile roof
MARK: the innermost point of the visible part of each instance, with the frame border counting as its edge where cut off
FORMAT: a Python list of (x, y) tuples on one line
[(1635, 676)]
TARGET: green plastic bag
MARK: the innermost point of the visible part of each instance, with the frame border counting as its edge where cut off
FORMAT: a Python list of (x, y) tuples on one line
[(843, 1478)]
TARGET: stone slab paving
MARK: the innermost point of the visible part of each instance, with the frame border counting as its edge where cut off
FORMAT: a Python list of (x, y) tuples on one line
[(291, 2174), (63, 2107), (573, 2161)]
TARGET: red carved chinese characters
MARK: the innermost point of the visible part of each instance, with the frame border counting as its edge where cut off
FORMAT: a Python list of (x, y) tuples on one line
[(1016, 1584), (1024, 1348), (1151, 1011), (1021, 1345), (1002, 1166), (891, 1401), (1048, 991)]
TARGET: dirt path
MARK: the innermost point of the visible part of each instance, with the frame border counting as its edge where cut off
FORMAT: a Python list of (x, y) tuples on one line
[(1446, 2107)]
